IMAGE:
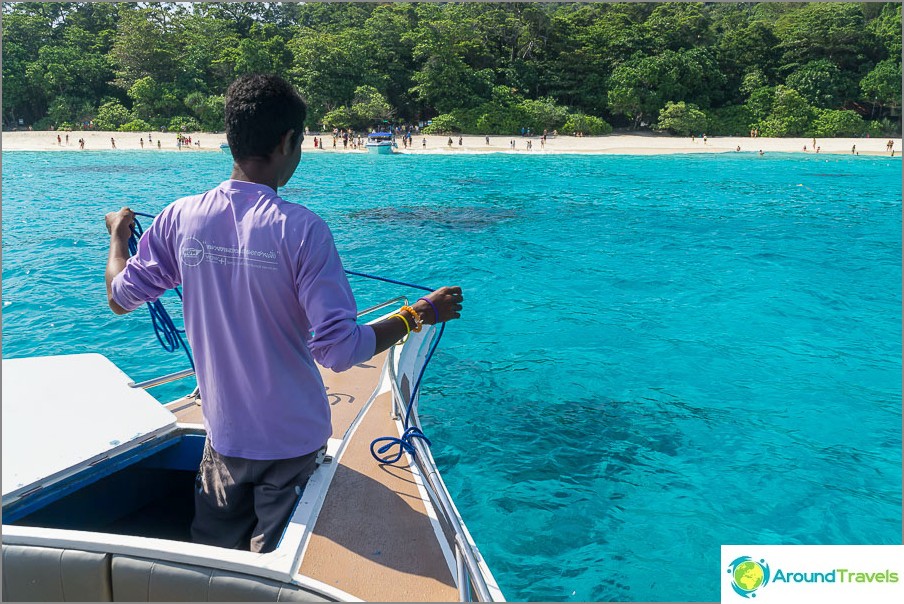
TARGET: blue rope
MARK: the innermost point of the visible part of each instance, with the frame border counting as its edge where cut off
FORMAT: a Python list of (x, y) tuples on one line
[(169, 336), (404, 442)]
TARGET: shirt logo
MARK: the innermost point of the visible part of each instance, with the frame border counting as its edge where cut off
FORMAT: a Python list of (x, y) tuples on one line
[(192, 252)]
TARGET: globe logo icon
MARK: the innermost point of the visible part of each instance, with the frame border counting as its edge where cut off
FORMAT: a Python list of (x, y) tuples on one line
[(748, 575)]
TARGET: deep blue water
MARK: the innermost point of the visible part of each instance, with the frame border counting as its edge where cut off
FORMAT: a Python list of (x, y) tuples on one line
[(658, 355)]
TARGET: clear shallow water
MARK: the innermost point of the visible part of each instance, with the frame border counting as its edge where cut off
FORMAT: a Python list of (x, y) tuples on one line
[(659, 355)]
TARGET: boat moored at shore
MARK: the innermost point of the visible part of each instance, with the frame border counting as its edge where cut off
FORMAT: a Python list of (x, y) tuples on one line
[(381, 143)]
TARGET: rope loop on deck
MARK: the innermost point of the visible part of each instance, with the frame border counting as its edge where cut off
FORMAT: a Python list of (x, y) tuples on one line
[(403, 443)]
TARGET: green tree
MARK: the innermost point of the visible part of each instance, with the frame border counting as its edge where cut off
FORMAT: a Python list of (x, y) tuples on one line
[(182, 123), (821, 83), (145, 46), (759, 105), (750, 48), (733, 120), (830, 122), (210, 110), (587, 42), (544, 114), (682, 118), (791, 114), (882, 85), (887, 28), (111, 115), (443, 124), (390, 52), (154, 102), (833, 30), (209, 52), (23, 37), (679, 25), (370, 106), (340, 117), (136, 126), (641, 87), (445, 80), (586, 124), (328, 67)]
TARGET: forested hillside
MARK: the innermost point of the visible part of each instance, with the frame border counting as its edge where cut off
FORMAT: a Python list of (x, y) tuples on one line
[(825, 69)]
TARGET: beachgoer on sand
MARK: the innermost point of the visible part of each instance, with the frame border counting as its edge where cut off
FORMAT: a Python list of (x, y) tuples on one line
[(113, 142), (250, 479)]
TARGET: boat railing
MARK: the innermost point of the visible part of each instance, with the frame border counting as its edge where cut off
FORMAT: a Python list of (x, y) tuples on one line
[(382, 305), (470, 578), (163, 379), (179, 375)]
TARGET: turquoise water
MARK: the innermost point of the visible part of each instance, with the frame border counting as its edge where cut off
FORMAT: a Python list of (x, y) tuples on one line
[(658, 355)]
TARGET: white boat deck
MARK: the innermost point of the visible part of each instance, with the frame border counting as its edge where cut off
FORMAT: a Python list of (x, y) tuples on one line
[(374, 537), (106, 519)]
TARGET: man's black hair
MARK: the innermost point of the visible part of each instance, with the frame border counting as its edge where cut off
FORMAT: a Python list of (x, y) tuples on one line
[(260, 109)]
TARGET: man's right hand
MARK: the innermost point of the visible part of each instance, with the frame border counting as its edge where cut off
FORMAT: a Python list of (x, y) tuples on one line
[(446, 301), (120, 223)]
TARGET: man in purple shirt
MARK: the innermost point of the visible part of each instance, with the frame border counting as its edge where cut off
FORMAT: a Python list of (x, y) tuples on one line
[(265, 296)]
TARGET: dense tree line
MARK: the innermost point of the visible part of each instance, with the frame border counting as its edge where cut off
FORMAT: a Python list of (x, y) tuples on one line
[(724, 68)]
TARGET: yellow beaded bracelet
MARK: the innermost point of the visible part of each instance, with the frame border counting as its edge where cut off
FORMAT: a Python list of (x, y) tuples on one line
[(418, 321), (407, 326)]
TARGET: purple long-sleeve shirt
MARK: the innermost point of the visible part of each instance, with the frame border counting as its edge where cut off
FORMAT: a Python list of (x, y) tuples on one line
[(264, 295)]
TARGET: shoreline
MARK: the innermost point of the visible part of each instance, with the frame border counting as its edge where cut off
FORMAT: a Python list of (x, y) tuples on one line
[(611, 144)]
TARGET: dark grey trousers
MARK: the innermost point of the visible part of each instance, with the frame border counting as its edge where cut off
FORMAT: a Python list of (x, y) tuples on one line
[(246, 503)]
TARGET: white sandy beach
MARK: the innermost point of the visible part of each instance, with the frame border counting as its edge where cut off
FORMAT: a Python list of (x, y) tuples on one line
[(626, 144)]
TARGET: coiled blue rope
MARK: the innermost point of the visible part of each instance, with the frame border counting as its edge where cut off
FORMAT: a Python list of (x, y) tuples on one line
[(411, 432), (169, 336)]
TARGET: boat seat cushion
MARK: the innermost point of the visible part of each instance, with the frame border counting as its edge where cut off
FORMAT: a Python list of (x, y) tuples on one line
[(143, 580), (46, 574)]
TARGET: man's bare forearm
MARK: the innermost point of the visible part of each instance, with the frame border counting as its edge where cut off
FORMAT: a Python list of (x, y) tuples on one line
[(116, 263)]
